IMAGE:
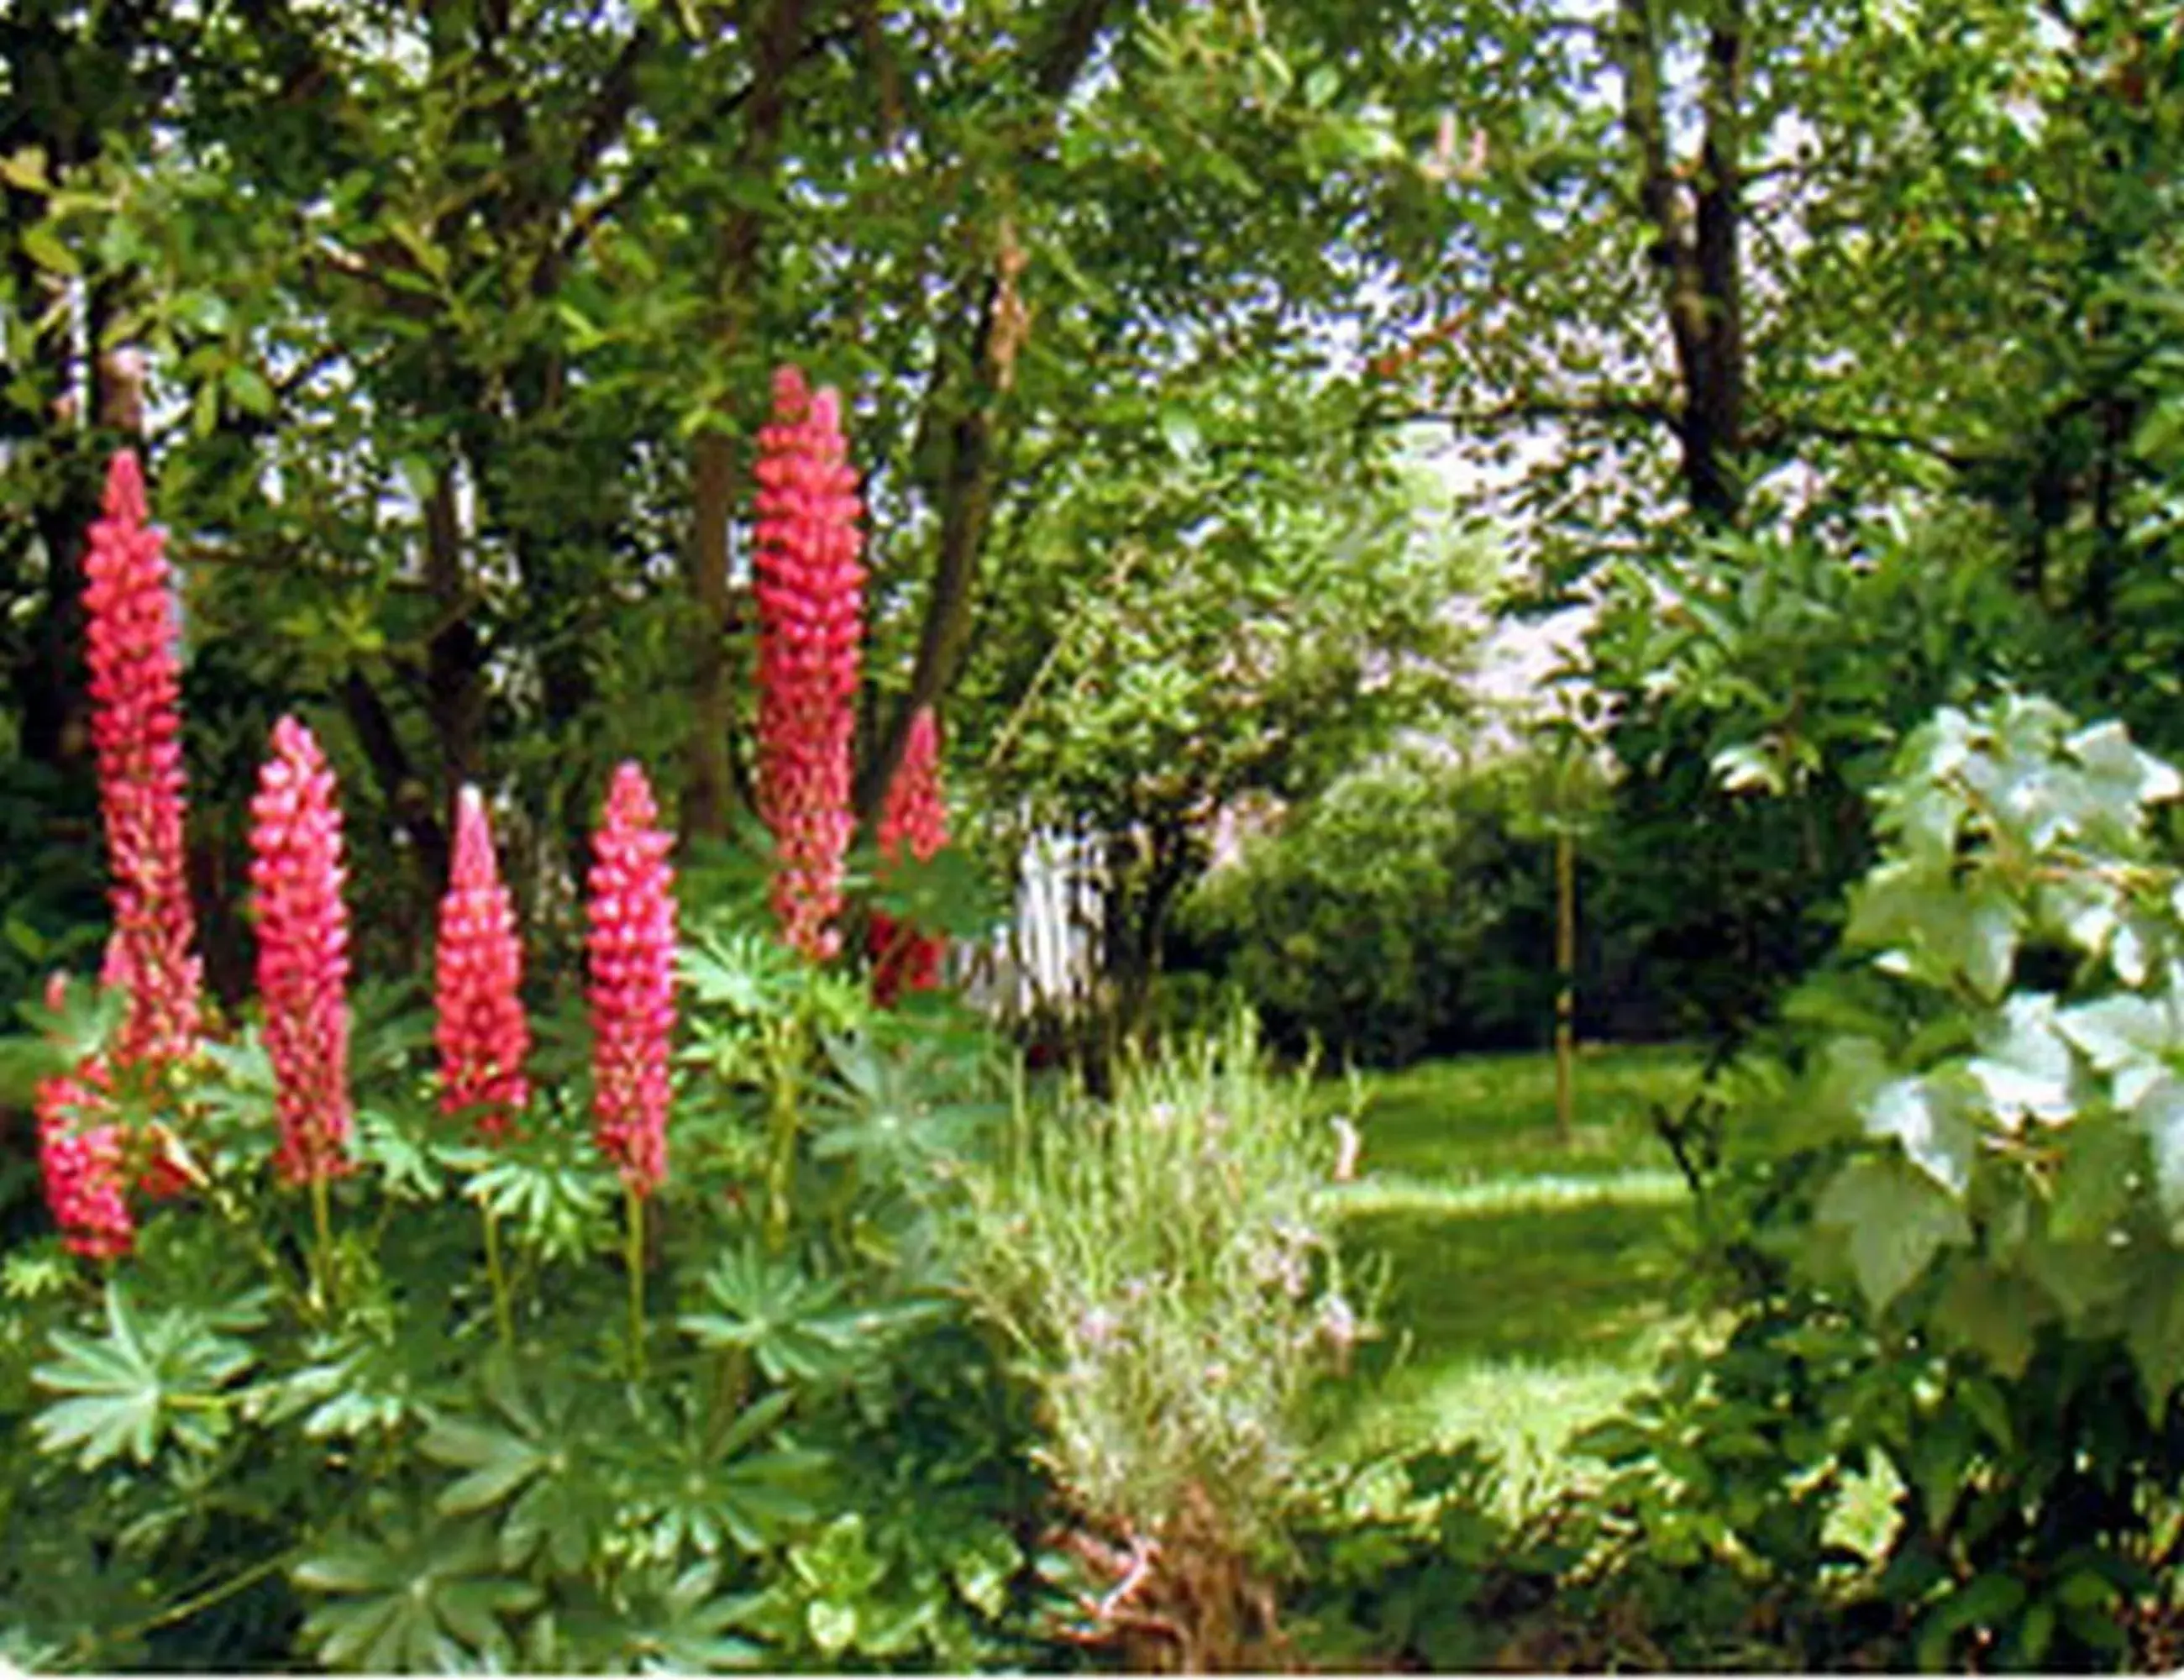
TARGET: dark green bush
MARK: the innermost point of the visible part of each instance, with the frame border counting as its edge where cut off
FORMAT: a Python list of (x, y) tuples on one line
[(1408, 911)]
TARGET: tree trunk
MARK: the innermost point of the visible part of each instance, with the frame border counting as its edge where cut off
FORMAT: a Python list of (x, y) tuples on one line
[(1696, 239), (717, 459), (963, 410)]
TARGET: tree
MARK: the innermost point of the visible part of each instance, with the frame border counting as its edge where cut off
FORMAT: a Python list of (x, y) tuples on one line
[(460, 320), (1248, 612)]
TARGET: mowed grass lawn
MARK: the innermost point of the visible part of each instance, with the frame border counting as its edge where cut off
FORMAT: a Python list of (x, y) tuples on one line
[(1532, 1278)]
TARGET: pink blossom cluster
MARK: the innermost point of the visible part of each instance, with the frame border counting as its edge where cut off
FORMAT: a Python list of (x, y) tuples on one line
[(135, 732), (80, 1157), (630, 944), (296, 874), (811, 605), (480, 1032), (913, 820)]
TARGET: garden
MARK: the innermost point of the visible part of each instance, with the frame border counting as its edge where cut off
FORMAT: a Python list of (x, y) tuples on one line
[(1091, 835)]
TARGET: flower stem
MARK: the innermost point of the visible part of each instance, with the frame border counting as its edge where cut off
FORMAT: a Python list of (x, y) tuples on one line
[(187, 1608), (780, 1168), (636, 1260), (322, 1223), (501, 1315)]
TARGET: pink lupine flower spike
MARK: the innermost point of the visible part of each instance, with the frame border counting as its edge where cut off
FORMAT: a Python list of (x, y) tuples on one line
[(631, 948), (482, 1036), (296, 876), (136, 730), (913, 819), (810, 606)]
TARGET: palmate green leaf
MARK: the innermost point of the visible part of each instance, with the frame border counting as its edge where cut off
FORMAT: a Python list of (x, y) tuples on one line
[(549, 1186), (138, 1385), (36, 1270), (412, 1595), (685, 1626), (368, 1382), (400, 1150), (1894, 1221), (788, 1320), (242, 1100), (735, 969), (698, 1492), (536, 1451)]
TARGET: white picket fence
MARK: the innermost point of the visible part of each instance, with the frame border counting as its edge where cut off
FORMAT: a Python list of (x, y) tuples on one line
[(1046, 961)]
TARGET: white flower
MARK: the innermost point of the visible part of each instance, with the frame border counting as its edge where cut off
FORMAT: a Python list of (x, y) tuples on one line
[(1349, 1143)]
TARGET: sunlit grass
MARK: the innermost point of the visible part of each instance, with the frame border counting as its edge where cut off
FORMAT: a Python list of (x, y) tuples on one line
[(1533, 1277), (1401, 1193)]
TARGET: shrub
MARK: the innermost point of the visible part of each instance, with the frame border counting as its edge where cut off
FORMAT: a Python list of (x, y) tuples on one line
[(1408, 910), (1160, 1274), (1957, 1211), (417, 1398)]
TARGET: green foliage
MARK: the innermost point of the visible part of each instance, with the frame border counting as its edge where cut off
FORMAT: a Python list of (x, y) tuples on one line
[(1951, 1222), (1407, 909), (1160, 1275), (443, 1452), (1753, 695)]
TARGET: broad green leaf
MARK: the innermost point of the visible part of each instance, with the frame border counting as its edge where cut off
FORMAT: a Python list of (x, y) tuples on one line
[(2159, 1114), (1991, 1312), (47, 249), (2130, 1038), (2102, 1159), (2153, 1326), (1179, 427), (2086, 1280), (1935, 1118), (2127, 775), (1894, 1220), (138, 1385), (2025, 1068), (832, 1626)]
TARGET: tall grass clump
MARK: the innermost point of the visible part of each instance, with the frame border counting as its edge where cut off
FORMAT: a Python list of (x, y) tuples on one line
[(1161, 1271)]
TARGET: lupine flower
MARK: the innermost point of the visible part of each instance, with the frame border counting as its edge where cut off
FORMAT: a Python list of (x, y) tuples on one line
[(913, 819), (296, 874), (80, 1154), (80, 1160), (481, 1033), (631, 948), (811, 605), (136, 730)]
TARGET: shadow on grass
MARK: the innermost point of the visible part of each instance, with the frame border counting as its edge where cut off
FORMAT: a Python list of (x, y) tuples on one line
[(1492, 1116), (1532, 1279), (1545, 1283)]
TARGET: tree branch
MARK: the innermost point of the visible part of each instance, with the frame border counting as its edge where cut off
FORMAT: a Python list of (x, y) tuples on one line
[(408, 799), (994, 334), (649, 168), (1539, 411), (1776, 434), (715, 465)]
